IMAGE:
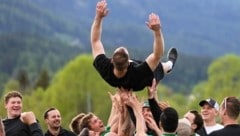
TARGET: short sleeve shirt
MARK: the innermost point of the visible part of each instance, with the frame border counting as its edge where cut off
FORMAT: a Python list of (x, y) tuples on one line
[(138, 76), (210, 129)]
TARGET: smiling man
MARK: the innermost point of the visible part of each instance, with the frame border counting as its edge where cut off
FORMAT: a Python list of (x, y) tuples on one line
[(18, 123), (53, 120), (209, 112)]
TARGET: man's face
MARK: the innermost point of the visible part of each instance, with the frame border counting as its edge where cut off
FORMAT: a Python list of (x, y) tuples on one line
[(120, 59), (208, 112), (146, 112), (14, 107), (96, 124), (54, 119), (191, 117)]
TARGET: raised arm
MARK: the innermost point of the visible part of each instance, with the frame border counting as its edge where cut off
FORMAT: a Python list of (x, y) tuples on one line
[(152, 99), (158, 43), (137, 109), (30, 119), (96, 30)]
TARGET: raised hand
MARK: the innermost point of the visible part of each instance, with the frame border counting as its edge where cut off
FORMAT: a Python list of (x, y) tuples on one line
[(101, 9), (152, 90), (153, 22), (163, 105), (28, 118), (152, 124)]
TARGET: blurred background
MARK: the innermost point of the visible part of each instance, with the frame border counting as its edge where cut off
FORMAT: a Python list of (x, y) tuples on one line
[(45, 51)]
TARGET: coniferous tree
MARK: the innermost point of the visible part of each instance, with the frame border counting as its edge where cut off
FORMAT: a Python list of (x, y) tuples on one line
[(43, 80), (22, 78)]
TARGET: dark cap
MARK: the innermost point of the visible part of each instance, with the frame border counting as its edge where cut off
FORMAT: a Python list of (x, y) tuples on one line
[(211, 102)]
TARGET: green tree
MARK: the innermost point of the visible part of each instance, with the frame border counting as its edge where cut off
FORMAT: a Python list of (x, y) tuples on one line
[(76, 88), (223, 80), (43, 80), (23, 80), (3, 80)]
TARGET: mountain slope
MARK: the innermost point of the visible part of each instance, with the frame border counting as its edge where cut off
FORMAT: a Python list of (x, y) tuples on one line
[(48, 33), (211, 27)]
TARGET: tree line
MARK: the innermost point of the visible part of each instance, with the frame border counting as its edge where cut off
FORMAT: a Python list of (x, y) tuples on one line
[(77, 87)]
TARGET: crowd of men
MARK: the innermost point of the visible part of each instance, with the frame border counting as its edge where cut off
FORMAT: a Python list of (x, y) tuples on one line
[(129, 117)]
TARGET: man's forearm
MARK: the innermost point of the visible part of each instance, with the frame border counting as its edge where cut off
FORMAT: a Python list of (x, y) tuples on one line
[(158, 47), (96, 29), (36, 129)]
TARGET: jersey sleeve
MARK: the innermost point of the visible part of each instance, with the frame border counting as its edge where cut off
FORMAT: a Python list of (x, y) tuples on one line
[(102, 64)]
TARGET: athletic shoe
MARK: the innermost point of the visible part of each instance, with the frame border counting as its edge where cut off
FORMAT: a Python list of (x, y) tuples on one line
[(172, 56)]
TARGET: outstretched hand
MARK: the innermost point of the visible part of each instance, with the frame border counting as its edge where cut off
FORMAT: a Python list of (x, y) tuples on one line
[(154, 22), (101, 9), (163, 105)]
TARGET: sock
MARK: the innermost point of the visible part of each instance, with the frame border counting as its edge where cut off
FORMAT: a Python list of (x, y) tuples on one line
[(167, 66)]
